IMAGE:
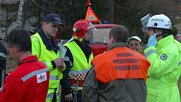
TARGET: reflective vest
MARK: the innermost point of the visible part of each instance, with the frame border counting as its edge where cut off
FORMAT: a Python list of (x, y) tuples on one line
[(46, 56), (81, 65), (120, 62)]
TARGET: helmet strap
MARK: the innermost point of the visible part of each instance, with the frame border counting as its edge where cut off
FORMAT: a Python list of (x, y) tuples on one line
[(154, 29), (78, 38)]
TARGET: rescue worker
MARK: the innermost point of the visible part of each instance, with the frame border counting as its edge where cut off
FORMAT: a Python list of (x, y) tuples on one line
[(2, 62), (44, 46), (134, 43), (164, 54), (117, 75), (80, 56), (29, 81)]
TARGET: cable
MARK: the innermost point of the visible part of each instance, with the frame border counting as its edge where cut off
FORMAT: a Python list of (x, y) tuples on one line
[(41, 6)]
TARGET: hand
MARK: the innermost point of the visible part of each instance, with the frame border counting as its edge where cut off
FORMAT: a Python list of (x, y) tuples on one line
[(152, 41), (59, 62), (61, 67), (69, 97)]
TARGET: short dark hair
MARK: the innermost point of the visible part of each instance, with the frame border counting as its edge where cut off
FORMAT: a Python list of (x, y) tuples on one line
[(165, 32), (119, 33), (19, 38)]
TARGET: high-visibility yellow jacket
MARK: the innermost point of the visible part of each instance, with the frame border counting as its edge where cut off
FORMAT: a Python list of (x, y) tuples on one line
[(46, 56), (165, 70), (81, 65)]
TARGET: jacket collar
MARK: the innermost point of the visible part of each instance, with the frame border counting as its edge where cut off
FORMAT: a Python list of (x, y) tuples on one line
[(165, 41), (29, 59), (49, 43), (118, 44)]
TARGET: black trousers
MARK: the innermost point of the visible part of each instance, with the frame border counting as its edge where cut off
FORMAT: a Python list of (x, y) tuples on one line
[(54, 96), (1, 77)]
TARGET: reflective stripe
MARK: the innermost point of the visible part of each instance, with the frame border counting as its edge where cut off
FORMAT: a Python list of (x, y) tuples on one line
[(179, 63), (45, 63), (150, 52), (79, 72), (2, 55), (66, 59), (77, 88), (78, 75), (51, 95), (33, 74), (53, 77)]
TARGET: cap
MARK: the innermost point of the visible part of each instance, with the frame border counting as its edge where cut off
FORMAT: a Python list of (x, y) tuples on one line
[(134, 37), (53, 18)]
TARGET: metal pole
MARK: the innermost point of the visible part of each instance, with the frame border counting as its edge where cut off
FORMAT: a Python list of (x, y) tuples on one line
[(0, 4), (111, 10)]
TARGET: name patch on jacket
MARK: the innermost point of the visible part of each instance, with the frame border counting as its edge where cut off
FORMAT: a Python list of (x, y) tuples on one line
[(41, 77), (126, 61)]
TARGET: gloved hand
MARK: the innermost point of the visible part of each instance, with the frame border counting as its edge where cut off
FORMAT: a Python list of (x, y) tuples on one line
[(152, 41)]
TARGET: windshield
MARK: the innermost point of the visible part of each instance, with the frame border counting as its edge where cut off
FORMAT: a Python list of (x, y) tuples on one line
[(100, 35)]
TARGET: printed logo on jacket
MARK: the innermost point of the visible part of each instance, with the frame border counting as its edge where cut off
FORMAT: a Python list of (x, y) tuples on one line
[(41, 77)]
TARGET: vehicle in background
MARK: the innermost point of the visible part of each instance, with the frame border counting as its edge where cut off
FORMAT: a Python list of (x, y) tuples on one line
[(100, 37), (178, 37)]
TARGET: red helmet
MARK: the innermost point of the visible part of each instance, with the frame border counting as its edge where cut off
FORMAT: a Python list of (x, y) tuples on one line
[(81, 26)]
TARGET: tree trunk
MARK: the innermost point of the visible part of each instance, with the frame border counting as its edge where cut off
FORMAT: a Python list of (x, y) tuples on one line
[(20, 13), (111, 11)]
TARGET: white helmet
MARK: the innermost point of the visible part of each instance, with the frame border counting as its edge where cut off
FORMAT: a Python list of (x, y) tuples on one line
[(159, 21)]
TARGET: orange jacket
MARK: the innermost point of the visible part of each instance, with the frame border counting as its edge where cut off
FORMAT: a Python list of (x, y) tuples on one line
[(120, 62)]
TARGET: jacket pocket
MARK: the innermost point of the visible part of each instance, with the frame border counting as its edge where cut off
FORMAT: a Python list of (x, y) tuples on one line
[(152, 95)]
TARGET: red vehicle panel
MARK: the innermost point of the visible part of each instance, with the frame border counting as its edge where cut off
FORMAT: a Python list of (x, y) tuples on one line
[(98, 48)]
